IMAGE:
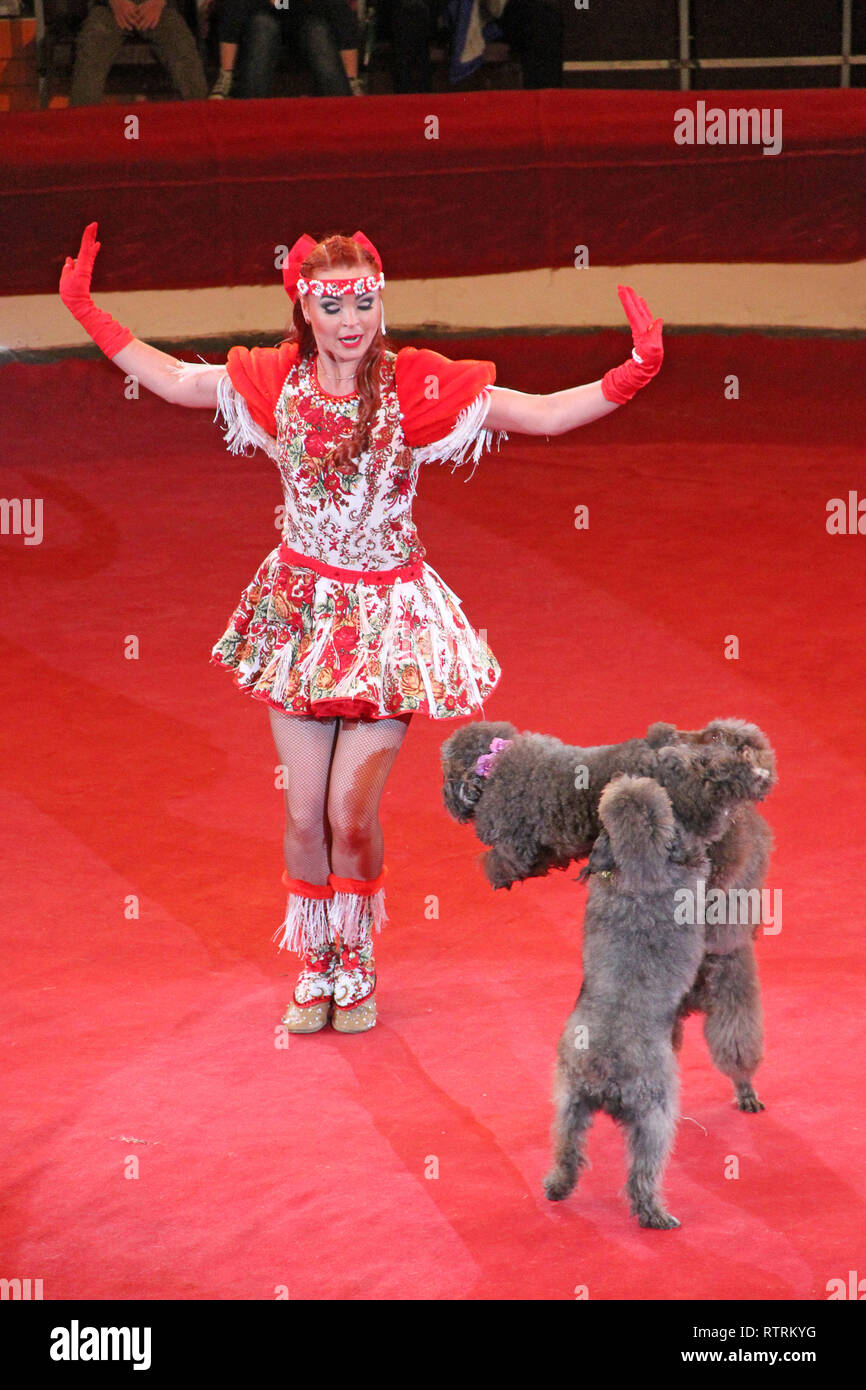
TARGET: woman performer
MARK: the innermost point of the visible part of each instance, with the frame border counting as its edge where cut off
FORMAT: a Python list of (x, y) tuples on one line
[(345, 631)]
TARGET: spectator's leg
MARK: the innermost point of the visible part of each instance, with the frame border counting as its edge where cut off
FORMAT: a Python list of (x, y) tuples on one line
[(97, 45), (534, 29), (410, 24), (176, 49), (343, 22), (345, 31), (230, 18), (316, 44), (259, 53)]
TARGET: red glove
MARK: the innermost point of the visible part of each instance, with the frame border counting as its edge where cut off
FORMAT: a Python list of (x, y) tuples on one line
[(105, 331), (621, 383)]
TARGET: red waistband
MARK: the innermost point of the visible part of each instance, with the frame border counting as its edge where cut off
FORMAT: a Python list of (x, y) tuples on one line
[(402, 572)]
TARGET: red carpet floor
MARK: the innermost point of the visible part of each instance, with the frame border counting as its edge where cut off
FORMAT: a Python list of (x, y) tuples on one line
[(306, 1168)]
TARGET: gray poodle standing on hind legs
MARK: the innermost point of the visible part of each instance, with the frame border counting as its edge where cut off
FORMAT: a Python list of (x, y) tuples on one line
[(535, 801), (643, 943)]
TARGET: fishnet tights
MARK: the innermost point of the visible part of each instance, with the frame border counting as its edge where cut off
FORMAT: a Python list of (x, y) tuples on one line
[(336, 770)]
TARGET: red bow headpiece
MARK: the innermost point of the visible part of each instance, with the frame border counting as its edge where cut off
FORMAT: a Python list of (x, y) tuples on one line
[(298, 254)]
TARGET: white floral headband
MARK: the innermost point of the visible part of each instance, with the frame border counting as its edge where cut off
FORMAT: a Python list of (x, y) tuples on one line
[(336, 288)]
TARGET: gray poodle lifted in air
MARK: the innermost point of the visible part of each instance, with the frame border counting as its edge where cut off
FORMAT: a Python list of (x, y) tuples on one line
[(535, 801), (643, 944)]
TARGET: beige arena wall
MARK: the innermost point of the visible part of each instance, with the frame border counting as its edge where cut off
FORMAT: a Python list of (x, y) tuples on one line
[(798, 297)]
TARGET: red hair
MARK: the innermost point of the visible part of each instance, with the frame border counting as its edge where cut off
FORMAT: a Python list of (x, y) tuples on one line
[(332, 251)]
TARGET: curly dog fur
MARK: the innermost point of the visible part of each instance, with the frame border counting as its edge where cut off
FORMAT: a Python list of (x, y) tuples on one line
[(562, 784), (641, 957)]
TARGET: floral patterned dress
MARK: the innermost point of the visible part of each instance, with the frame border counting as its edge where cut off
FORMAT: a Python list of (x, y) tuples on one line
[(344, 616)]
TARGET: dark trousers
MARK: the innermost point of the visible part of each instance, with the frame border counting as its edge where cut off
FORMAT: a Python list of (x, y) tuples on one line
[(532, 28), (317, 30), (98, 45)]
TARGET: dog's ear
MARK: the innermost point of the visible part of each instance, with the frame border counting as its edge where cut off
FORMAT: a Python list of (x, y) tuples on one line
[(601, 860), (743, 738), (637, 814), (707, 781), (497, 870), (741, 774), (659, 735), (736, 733), (461, 785), (676, 761)]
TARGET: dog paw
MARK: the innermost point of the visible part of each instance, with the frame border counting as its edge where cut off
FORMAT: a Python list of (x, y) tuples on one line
[(556, 1187), (657, 1219), (749, 1102)]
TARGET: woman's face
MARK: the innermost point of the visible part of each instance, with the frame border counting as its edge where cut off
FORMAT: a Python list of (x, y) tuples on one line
[(344, 325)]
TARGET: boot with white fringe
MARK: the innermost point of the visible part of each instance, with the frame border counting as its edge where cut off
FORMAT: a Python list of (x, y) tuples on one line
[(307, 929), (358, 908)]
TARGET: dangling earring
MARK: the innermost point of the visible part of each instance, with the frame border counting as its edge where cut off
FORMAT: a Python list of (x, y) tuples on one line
[(382, 329)]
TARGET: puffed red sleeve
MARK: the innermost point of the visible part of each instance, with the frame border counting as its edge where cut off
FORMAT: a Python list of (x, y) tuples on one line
[(248, 394), (443, 404)]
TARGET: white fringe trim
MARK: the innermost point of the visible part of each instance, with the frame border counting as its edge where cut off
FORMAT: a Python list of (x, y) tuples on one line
[(282, 672), (307, 926), (467, 440), (182, 369), (310, 658), (241, 430), (434, 594), (448, 621), (354, 915)]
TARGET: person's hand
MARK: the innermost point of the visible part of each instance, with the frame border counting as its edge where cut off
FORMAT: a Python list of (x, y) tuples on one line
[(149, 14), (646, 331), (76, 274), (75, 278), (621, 383), (125, 12)]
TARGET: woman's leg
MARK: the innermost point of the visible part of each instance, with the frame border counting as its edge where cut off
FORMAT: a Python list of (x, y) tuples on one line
[(304, 747), (363, 757)]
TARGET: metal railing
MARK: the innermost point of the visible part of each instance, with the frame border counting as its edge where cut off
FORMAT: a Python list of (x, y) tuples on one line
[(687, 63)]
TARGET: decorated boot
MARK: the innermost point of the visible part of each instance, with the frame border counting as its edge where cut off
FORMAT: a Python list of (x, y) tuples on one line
[(307, 930), (357, 909)]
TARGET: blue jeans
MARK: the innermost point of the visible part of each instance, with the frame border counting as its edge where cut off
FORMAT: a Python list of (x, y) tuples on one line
[(311, 35)]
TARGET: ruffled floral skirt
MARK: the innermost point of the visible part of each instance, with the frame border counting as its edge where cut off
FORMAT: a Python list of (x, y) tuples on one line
[(312, 638)]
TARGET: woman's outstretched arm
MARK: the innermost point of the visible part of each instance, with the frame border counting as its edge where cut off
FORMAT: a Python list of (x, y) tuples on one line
[(182, 383), (562, 411), (193, 384), (519, 413)]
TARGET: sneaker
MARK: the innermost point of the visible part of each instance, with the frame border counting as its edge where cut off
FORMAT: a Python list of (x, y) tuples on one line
[(222, 87)]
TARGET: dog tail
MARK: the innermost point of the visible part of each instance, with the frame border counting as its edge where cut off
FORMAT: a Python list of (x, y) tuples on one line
[(637, 815)]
